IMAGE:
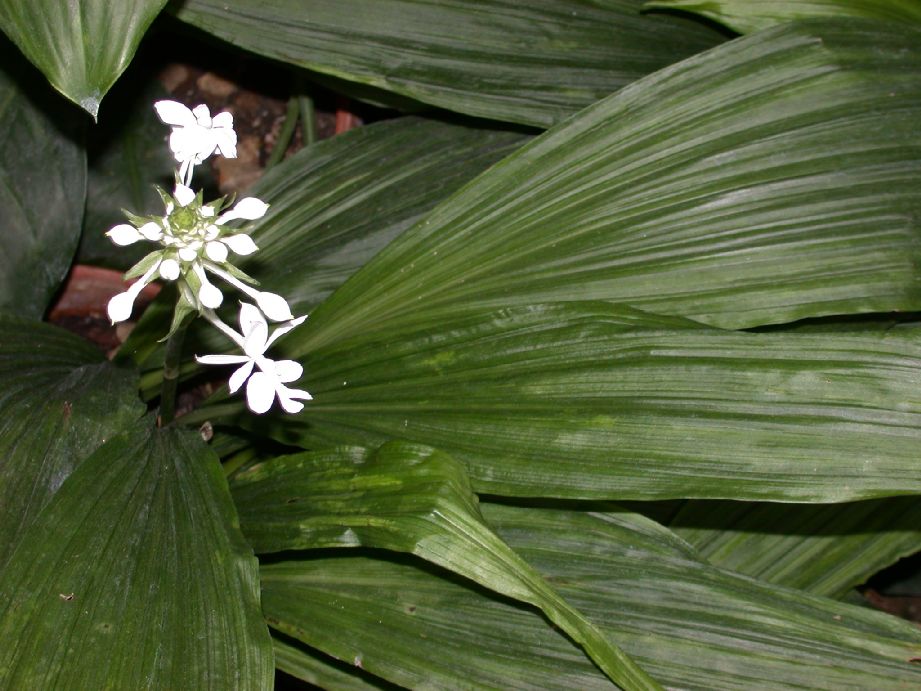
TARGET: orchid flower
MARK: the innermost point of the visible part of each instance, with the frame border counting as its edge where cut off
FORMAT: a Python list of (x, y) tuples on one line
[(264, 386), (196, 135)]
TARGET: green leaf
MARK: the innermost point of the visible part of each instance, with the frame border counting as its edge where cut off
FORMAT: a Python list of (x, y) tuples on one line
[(592, 400), (335, 204), (532, 63), (128, 156), (42, 186), (746, 16), (82, 46), (692, 625), (770, 179), (134, 576), (321, 670), (826, 550), (59, 400), (406, 499)]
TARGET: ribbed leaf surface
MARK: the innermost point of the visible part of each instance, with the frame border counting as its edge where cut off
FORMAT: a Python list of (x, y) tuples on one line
[(825, 550), (135, 576), (770, 179), (82, 46), (589, 400), (746, 16), (407, 499), (692, 625), (59, 400), (321, 670), (532, 63), (42, 187)]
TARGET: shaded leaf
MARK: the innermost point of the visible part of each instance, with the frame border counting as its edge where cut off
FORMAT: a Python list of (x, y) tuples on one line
[(531, 63), (770, 179), (42, 186), (135, 575), (59, 400), (320, 670), (692, 625), (596, 401), (745, 16), (407, 499), (826, 550), (82, 46)]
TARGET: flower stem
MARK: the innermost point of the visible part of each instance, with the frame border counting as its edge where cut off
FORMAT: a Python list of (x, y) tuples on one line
[(286, 133), (171, 363)]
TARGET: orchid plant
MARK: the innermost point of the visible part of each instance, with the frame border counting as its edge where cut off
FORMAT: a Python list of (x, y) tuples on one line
[(614, 345), (195, 240)]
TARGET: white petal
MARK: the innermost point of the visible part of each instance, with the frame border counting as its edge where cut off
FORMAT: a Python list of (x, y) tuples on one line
[(123, 235), (287, 398), (282, 330), (260, 392), (210, 296), (169, 269), (250, 317), (288, 371), (184, 195), (239, 376), (191, 143), (216, 251), (226, 142), (202, 115), (187, 254), (249, 208), (221, 359), (274, 306), (174, 113), (151, 231), (207, 211), (120, 306), (254, 345), (223, 120), (240, 243)]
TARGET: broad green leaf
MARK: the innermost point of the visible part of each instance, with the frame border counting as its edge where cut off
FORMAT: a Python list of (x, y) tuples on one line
[(82, 46), (597, 401), (128, 157), (407, 499), (59, 400), (135, 576), (531, 63), (321, 670), (746, 16), (693, 625), (770, 179), (826, 550), (335, 204), (42, 186)]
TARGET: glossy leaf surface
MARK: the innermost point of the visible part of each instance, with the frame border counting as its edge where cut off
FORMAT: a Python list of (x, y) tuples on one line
[(692, 625), (407, 499), (770, 179), (82, 46), (745, 16), (531, 63), (42, 187), (590, 400), (135, 575), (59, 400)]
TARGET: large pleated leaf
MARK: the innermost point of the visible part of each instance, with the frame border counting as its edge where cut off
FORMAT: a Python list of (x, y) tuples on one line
[(82, 46), (59, 400), (42, 186), (335, 204), (407, 499), (770, 179), (745, 16), (825, 550), (692, 625), (591, 400), (134, 576), (531, 63), (320, 670)]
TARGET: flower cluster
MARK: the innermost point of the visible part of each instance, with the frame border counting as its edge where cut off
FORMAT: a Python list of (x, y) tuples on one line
[(196, 240)]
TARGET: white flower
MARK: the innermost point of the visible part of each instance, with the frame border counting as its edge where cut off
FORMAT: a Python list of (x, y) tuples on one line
[(264, 386), (120, 306), (196, 135)]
